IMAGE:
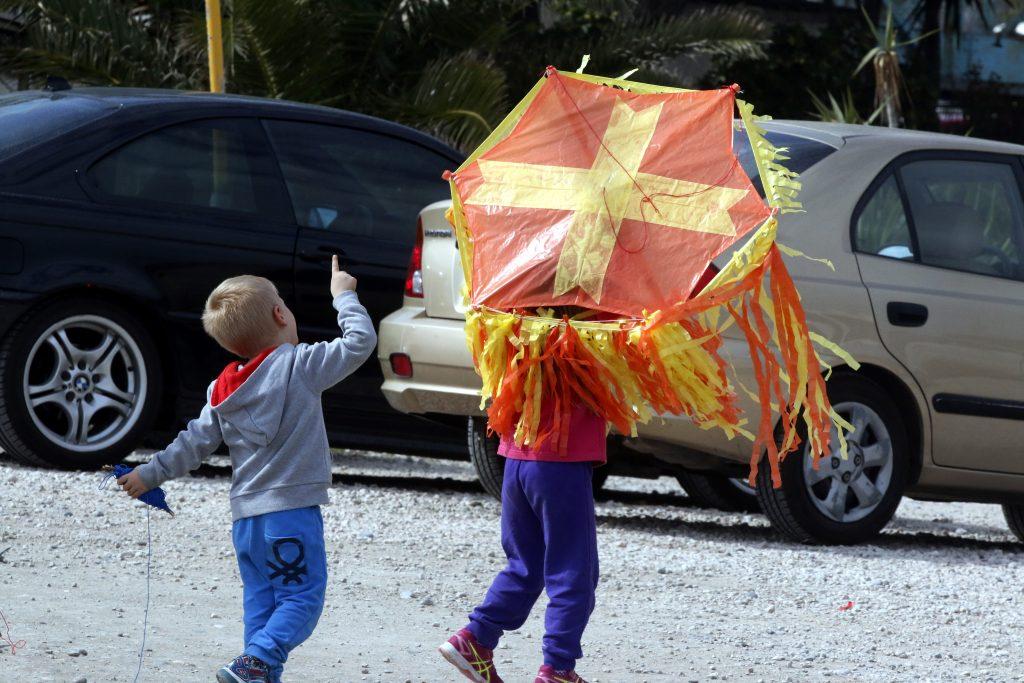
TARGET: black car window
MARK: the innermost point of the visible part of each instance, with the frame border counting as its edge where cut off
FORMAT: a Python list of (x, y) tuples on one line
[(213, 164), (357, 182), (28, 119), (882, 227), (802, 152), (968, 214)]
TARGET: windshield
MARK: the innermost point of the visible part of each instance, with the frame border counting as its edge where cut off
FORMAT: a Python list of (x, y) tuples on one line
[(30, 118), (802, 153)]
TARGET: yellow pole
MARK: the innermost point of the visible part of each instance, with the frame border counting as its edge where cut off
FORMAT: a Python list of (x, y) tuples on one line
[(215, 45)]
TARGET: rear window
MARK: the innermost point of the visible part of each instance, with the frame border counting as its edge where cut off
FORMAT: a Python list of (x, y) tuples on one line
[(27, 119), (802, 153)]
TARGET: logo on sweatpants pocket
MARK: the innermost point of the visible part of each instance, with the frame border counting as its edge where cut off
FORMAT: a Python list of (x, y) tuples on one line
[(290, 570)]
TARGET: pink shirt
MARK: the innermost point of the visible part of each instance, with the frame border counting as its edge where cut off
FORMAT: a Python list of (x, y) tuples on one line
[(586, 440)]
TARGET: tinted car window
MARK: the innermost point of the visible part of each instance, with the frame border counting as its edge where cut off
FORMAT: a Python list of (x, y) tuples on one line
[(802, 153), (357, 182), (882, 225), (968, 215), (32, 118), (213, 164)]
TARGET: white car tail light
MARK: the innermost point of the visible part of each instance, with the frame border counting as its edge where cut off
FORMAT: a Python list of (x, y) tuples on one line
[(414, 276)]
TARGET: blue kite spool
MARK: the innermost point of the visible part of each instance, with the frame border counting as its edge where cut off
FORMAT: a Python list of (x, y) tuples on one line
[(154, 497)]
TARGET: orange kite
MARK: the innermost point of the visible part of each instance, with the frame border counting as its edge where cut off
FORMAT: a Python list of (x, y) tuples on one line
[(614, 196)]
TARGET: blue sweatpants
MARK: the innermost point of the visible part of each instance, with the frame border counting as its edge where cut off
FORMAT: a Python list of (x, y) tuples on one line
[(549, 535), (283, 565)]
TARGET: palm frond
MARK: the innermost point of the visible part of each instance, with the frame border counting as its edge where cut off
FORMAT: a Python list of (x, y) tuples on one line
[(843, 110), (265, 58), (103, 43), (460, 100), (727, 31)]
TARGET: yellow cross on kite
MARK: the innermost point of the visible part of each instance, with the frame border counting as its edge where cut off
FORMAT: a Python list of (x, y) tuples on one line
[(602, 196)]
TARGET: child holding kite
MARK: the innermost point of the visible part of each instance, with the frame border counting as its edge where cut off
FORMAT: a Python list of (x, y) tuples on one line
[(613, 197), (549, 534), (267, 410)]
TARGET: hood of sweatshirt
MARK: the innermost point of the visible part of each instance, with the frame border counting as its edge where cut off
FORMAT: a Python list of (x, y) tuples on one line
[(247, 396)]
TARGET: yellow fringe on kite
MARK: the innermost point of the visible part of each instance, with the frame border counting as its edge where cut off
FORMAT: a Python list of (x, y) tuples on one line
[(780, 184), (630, 370)]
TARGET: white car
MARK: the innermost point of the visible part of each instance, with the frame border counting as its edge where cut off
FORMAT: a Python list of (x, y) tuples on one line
[(926, 232)]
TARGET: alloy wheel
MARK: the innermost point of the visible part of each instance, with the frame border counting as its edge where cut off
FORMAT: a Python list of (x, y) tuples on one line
[(85, 383), (847, 490)]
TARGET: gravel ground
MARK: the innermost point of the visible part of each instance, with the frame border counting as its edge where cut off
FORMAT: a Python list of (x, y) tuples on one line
[(687, 594)]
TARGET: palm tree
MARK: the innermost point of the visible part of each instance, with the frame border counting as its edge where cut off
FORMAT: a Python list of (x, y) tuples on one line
[(446, 66), (885, 60)]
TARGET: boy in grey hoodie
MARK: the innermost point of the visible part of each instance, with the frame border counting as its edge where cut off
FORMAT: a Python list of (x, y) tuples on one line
[(267, 410)]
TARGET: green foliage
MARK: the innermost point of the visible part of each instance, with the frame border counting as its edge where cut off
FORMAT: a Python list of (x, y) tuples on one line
[(843, 110), (883, 222), (989, 200), (799, 62), (447, 66), (116, 42), (885, 60)]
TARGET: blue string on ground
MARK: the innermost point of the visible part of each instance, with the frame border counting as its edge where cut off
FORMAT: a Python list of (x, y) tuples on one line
[(152, 498), (145, 619)]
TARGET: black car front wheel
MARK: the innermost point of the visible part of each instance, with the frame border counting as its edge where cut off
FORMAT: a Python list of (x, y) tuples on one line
[(843, 501), (490, 467), (79, 383)]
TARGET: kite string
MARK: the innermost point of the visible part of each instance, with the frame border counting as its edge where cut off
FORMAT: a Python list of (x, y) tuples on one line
[(618, 231), (705, 188), (145, 619), (149, 561), (647, 198), (600, 141), (6, 637)]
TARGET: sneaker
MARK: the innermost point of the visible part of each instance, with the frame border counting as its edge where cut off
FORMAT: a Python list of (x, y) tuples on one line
[(244, 669), (474, 660), (548, 674)]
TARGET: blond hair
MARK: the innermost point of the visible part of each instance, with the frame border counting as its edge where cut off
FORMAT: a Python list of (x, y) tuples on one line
[(239, 314)]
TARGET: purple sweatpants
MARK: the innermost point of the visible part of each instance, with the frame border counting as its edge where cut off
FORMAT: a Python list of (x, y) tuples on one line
[(549, 535)]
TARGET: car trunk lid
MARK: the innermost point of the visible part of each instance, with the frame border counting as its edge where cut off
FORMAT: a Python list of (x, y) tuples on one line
[(441, 268)]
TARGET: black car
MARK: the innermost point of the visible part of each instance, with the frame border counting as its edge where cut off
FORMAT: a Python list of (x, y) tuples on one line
[(121, 209)]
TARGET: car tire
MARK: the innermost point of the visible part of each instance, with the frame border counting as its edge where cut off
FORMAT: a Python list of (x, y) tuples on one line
[(1015, 519), (490, 467), (80, 385), (483, 453), (843, 502), (712, 490)]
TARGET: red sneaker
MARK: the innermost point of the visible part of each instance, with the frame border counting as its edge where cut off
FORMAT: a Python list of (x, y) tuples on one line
[(474, 660), (547, 674)]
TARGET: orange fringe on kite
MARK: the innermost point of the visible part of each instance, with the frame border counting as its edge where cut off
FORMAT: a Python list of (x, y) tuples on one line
[(627, 371)]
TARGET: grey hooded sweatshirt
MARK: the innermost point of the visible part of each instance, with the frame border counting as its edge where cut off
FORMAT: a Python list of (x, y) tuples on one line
[(272, 422)]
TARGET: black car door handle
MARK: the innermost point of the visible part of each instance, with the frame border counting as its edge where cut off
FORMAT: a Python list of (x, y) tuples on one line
[(903, 314), (320, 254)]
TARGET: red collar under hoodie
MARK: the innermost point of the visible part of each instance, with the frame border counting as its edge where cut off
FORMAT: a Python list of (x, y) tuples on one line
[(234, 375)]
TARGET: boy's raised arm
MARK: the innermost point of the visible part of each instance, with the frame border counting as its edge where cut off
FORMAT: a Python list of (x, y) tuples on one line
[(324, 364), (197, 441)]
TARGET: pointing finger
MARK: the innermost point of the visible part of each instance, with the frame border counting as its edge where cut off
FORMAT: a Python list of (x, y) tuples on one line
[(334, 264)]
